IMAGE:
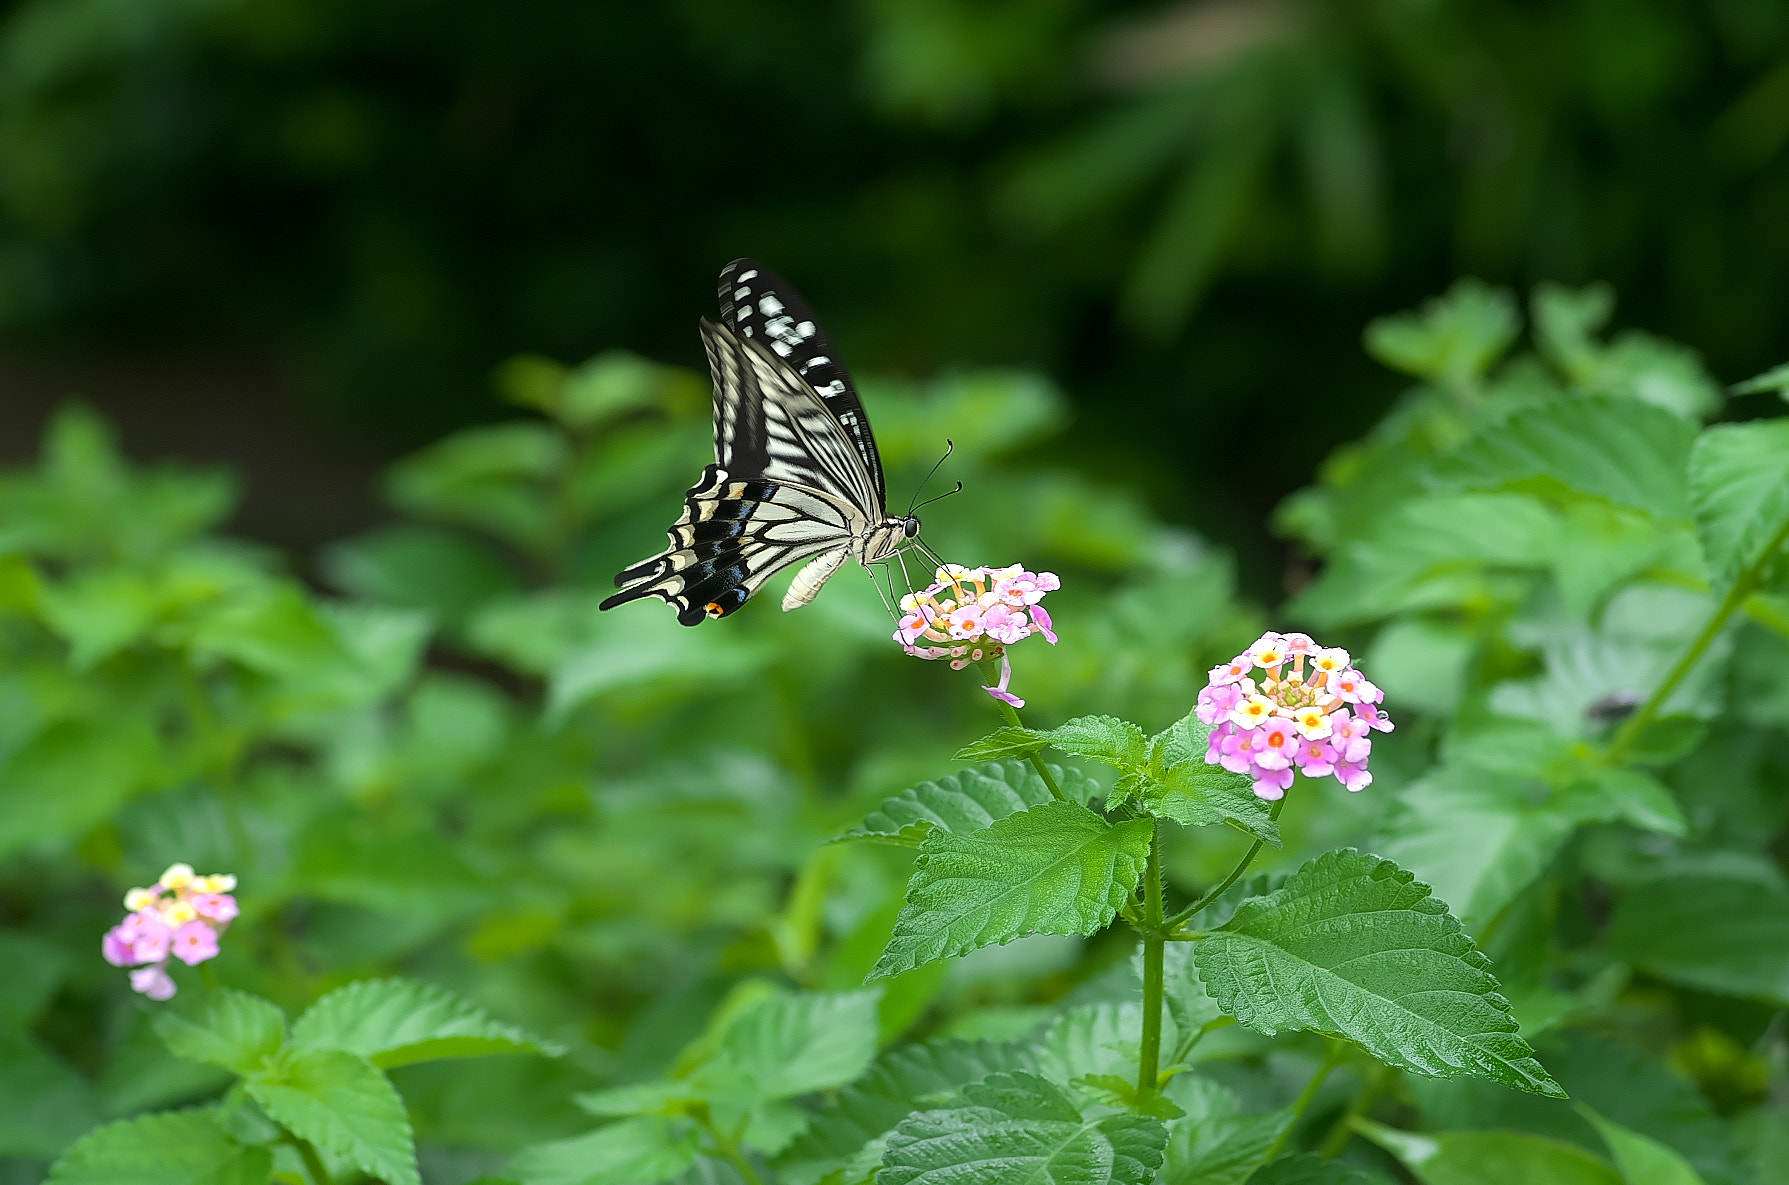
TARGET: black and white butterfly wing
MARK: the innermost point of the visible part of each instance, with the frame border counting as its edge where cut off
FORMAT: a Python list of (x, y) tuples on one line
[(731, 538), (759, 305)]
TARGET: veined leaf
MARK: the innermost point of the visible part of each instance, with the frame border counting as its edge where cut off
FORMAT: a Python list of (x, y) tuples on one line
[(903, 1081), (1005, 742), (1198, 795), (233, 1029), (1102, 738), (1353, 945), (175, 1148), (1603, 446), (1641, 1159), (342, 1102), (1739, 485), (633, 1152), (394, 1022), (967, 801), (1490, 1158), (1018, 1129), (1092, 1040), (1216, 1144), (1721, 926), (794, 1044), (1056, 869)]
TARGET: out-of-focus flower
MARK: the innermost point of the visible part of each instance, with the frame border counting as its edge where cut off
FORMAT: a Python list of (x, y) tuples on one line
[(1316, 717), (180, 916), (973, 614)]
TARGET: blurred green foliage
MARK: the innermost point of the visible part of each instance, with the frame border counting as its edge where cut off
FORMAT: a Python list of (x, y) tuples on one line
[(1174, 207), (610, 829)]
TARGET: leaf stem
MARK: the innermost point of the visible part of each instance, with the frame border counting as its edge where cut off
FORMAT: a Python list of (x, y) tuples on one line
[(1342, 1130), (313, 1163), (1011, 715), (1331, 1059), (1744, 584), (1235, 875), (728, 1148), (1149, 1049)]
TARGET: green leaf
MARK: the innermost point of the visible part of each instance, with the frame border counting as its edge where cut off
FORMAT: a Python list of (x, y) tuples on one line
[(44, 1102), (633, 1152), (1490, 1158), (794, 1044), (394, 1022), (1093, 1040), (1739, 485), (1606, 447), (1056, 869), (1216, 1144), (1309, 1169), (341, 1102), (1454, 338), (967, 801), (1018, 1129), (176, 1148), (1642, 1159), (233, 1029), (1775, 379), (1721, 925), (1102, 738), (73, 775), (1196, 794), (1352, 945), (1005, 742), (903, 1081)]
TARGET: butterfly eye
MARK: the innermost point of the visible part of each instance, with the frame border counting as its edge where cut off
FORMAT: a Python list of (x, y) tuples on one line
[(910, 527)]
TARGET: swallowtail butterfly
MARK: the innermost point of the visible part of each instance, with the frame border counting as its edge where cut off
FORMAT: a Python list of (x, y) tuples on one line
[(796, 475)]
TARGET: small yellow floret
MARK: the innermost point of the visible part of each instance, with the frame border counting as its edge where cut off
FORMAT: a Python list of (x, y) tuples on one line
[(139, 899), (177, 913), (177, 877)]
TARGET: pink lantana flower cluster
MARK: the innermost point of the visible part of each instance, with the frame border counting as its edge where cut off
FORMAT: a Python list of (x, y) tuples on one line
[(1288, 704), (970, 614), (180, 917)]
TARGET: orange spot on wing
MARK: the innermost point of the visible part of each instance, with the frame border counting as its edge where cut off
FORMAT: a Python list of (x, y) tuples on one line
[(714, 609)]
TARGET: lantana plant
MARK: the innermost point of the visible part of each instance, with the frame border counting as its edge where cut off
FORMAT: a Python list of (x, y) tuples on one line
[(182, 916)]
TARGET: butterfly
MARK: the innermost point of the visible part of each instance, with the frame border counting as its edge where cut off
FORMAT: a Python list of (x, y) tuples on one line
[(796, 475)]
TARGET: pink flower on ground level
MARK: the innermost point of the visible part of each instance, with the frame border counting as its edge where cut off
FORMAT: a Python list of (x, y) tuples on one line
[(971, 615), (1289, 704), (180, 916)]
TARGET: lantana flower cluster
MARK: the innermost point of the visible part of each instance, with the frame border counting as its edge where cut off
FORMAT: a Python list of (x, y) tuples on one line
[(971, 614), (181, 916), (1288, 703)]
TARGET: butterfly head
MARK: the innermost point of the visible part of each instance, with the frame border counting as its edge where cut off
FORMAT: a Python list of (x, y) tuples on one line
[(909, 527)]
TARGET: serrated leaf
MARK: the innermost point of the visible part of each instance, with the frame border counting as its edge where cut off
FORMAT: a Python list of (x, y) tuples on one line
[(394, 1022), (794, 1044), (903, 1081), (1093, 1040), (1603, 446), (1721, 926), (1739, 486), (1102, 738), (1641, 1159), (1354, 946), (175, 1148), (1056, 869), (633, 1152), (1018, 1129), (1195, 794), (1218, 1148), (1490, 1158), (1005, 742), (1454, 338), (967, 801), (341, 1102), (1309, 1169), (232, 1029)]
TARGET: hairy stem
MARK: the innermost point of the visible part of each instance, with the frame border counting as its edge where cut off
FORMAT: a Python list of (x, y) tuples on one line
[(1149, 1049), (1235, 875), (1744, 585), (1331, 1059), (991, 671)]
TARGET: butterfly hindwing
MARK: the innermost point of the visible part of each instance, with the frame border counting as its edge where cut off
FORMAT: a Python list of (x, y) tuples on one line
[(732, 537), (759, 305)]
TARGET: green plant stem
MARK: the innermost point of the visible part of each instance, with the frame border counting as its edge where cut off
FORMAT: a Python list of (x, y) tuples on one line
[(729, 1149), (991, 671), (1335, 1142), (1149, 1049), (1744, 585), (1331, 1059), (1235, 875)]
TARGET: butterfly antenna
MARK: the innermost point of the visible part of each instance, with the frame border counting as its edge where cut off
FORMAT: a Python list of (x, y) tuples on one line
[(949, 447), (935, 498)]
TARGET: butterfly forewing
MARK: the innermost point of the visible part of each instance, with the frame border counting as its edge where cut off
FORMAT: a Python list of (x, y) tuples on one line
[(759, 305)]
